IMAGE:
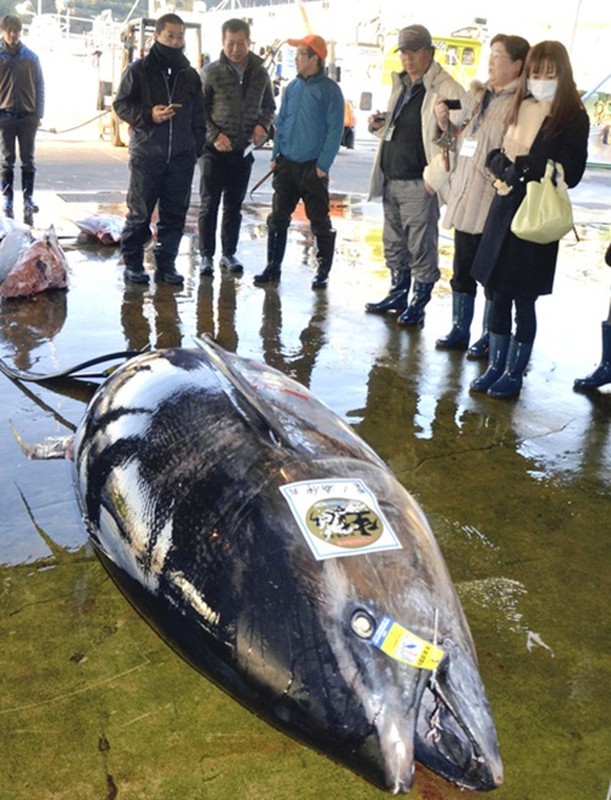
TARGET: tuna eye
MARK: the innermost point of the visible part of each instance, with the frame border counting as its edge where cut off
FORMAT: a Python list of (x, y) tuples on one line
[(362, 624)]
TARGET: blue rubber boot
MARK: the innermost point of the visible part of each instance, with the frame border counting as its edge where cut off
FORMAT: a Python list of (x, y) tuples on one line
[(479, 349), (602, 373), (510, 382), (413, 316), (497, 356), (462, 316), (396, 299)]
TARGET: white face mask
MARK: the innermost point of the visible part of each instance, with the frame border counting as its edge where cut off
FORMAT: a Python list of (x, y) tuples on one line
[(542, 90)]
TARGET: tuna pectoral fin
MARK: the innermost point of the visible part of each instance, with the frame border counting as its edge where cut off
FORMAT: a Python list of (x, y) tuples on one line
[(396, 730), (52, 447)]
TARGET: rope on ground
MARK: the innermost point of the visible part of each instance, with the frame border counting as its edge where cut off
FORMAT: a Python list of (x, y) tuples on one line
[(75, 127)]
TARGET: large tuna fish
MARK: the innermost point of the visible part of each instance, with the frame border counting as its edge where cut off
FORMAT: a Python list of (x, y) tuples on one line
[(276, 552)]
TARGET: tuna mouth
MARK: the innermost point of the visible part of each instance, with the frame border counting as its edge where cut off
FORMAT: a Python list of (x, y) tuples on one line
[(446, 725), (446, 744)]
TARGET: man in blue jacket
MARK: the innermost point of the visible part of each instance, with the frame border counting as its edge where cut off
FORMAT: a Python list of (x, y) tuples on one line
[(309, 129), (22, 102), (160, 96)]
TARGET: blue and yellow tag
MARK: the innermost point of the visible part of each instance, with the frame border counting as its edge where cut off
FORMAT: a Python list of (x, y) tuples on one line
[(402, 645)]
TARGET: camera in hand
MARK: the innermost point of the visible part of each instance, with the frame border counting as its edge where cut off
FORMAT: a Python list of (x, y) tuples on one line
[(453, 105)]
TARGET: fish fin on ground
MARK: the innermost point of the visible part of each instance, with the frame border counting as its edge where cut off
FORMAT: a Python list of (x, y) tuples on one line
[(51, 447)]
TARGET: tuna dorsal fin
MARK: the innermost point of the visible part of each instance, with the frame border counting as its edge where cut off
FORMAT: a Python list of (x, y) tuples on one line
[(245, 400)]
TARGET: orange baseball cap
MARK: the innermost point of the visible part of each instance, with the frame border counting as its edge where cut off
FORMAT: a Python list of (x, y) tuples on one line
[(315, 43)]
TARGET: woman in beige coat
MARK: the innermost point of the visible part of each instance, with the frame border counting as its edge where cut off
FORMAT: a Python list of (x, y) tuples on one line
[(479, 129)]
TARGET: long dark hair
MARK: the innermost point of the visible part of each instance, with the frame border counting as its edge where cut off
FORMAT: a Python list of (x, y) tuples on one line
[(566, 101)]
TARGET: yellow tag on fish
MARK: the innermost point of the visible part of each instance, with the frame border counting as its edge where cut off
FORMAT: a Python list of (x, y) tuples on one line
[(402, 645)]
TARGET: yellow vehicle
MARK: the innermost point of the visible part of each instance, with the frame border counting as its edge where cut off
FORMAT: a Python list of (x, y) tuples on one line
[(459, 55)]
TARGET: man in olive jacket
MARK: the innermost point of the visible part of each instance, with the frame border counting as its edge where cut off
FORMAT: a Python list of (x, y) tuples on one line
[(160, 97), (239, 106)]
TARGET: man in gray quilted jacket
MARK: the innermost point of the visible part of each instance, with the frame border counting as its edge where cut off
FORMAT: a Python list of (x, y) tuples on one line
[(239, 107)]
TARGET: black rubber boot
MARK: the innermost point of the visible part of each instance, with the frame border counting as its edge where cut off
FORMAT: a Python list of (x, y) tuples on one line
[(413, 316), (7, 193), (276, 245), (462, 316), (29, 206), (325, 247), (396, 299), (602, 373)]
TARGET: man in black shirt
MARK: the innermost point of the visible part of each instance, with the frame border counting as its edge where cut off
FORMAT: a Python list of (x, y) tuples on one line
[(411, 208)]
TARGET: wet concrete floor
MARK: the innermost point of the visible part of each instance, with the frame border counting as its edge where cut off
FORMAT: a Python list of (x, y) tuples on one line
[(94, 705)]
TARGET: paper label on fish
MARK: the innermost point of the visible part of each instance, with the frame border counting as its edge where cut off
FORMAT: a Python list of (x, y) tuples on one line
[(339, 517), (402, 645)]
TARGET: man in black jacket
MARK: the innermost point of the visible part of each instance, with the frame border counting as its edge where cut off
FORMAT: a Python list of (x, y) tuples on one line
[(22, 101), (239, 106), (160, 97)]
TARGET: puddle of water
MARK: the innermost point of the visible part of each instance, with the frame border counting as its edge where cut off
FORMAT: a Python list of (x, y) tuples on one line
[(94, 704)]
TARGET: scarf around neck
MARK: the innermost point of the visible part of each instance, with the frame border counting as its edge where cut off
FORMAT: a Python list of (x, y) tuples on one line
[(521, 135), (169, 57)]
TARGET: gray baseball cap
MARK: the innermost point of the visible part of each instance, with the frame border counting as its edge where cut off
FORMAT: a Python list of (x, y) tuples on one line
[(414, 37)]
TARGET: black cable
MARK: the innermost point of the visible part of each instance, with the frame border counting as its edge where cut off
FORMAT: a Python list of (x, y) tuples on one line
[(33, 377)]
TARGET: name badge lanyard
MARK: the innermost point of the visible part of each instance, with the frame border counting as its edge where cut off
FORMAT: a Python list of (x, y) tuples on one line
[(469, 145)]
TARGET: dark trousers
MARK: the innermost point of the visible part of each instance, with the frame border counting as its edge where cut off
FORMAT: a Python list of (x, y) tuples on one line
[(23, 132), (465, 247), (226, 176), (293, 182), (526, 318), (168, 185)]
